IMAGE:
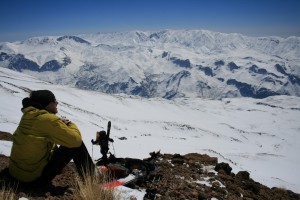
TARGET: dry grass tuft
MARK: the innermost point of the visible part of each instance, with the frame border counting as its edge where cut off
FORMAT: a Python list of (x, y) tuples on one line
[(7, 193), (90, 189)]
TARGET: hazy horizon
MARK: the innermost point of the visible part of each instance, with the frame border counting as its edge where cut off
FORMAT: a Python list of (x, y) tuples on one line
[(25, 19)]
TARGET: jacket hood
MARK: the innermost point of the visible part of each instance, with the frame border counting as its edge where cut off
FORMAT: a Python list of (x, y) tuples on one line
[(30, 114)]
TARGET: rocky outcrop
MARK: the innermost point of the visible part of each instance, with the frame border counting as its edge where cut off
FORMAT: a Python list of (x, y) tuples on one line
[(190, 176)]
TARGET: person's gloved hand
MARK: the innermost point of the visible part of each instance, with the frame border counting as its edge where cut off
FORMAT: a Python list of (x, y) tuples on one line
[(66, 121)]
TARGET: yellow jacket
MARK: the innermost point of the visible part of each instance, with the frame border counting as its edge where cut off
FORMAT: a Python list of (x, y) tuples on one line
[(34, 141)]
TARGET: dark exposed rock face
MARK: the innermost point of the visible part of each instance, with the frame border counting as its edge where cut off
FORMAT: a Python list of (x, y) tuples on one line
[(232, 66), (52, 65), (75, 38), (19, 63), (181, 63), (219, 63), (207, 70), (247, 90)]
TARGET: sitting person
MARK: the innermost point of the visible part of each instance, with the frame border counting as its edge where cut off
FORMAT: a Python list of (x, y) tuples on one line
[(35, 156)]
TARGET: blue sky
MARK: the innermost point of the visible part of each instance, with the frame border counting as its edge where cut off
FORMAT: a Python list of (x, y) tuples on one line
[(21, 19)]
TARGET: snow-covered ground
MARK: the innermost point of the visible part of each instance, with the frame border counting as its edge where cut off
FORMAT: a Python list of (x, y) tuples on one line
[(261, 136)]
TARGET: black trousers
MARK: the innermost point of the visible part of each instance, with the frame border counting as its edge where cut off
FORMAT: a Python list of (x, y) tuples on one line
[(61, 157)]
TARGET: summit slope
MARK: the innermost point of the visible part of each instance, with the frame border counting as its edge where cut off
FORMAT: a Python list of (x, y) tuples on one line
[(260, 136)]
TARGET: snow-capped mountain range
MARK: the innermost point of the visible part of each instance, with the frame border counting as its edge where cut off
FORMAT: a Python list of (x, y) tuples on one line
[(167, 63)]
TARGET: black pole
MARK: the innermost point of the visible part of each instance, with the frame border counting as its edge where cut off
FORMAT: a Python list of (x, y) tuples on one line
[(108, 129)]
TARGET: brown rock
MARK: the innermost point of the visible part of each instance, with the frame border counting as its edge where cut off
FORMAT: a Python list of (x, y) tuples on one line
[(223, 166), (243, 175), (6, 136)]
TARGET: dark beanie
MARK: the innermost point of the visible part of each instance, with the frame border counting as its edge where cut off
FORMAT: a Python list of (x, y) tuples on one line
[(42, 97)]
